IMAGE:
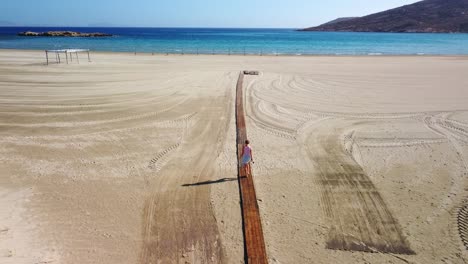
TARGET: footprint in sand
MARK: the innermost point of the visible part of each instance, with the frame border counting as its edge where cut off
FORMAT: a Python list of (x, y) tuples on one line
[(4, 230), (6, 253)]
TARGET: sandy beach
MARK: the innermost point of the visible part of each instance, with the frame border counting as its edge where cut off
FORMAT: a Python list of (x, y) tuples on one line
[(132, 159)]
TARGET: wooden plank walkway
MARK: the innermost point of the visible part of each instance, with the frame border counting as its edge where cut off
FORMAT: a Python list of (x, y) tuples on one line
[(253, 234)]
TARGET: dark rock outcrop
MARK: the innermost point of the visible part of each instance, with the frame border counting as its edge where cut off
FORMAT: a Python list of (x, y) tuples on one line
[(62, 34), (428, 16)]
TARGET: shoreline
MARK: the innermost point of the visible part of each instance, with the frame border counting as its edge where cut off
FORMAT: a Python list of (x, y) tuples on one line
[(259, 55)]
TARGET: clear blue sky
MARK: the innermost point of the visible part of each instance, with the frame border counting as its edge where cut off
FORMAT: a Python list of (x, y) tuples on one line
[(187, 13)]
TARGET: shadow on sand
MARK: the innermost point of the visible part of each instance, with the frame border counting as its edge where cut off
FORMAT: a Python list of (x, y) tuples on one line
[(210, 182)]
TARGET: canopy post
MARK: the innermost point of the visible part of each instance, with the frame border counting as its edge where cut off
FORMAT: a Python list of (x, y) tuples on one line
[(67, 52)]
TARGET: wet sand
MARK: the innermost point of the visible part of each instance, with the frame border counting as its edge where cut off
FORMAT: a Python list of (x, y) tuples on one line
[(132, 159)]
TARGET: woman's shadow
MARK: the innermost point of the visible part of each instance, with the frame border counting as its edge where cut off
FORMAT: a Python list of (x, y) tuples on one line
[(211, 182)]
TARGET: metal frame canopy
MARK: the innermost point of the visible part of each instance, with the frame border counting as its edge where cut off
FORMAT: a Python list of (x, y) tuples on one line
[(66, 52)]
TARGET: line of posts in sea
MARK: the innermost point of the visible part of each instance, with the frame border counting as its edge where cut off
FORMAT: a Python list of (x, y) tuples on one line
[(228, 52)]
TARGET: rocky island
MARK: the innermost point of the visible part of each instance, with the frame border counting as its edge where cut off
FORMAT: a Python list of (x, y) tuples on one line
[(62, 34), (428, 16)]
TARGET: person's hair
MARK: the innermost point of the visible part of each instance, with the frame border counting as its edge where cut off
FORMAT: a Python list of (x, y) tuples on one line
[(247, 142)]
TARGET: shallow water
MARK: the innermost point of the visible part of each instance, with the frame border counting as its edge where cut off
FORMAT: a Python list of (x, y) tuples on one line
[(240, 41)]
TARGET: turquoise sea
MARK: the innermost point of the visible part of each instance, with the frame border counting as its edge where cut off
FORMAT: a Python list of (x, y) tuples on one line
[(240, 41)]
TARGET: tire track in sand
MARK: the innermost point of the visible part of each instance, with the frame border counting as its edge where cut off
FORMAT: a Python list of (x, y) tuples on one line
[(462, 224), (178, 223), (357, 214)]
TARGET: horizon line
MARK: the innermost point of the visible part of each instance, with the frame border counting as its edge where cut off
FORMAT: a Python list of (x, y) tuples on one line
[(182, 27)]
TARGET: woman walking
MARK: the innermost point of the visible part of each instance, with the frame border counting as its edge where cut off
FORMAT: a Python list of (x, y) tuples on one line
[(246, 157)]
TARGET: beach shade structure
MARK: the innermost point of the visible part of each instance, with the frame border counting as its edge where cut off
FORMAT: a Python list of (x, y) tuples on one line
[(68, 55)]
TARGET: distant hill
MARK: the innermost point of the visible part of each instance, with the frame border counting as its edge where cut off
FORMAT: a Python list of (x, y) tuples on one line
[(436, 16), (341, 19)]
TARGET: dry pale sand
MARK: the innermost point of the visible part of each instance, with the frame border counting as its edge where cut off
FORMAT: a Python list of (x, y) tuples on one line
[(131, 159)]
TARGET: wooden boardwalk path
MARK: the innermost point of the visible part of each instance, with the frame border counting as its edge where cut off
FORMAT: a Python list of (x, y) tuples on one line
[(253, 234)]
